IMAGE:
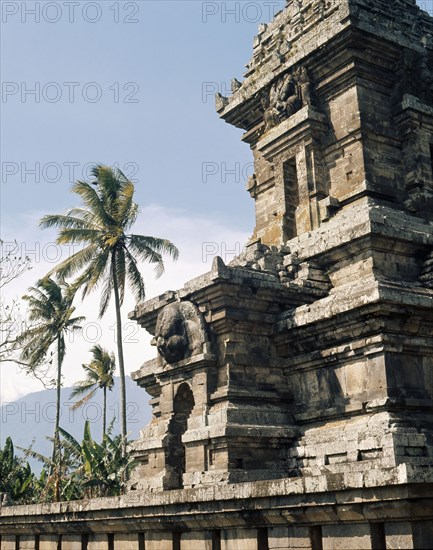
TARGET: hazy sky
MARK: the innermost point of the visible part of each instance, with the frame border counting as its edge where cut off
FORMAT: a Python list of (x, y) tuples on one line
[(138, 93), (129, 84)]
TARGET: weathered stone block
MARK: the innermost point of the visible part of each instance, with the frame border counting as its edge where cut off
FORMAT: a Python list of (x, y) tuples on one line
[(71, 542), (239, 539), (283, 538), (27, 542), (196, 539), (125, 541), (355, 536), (159, 540), (8, 542), (399, 535), (50, 542), (97, 542)]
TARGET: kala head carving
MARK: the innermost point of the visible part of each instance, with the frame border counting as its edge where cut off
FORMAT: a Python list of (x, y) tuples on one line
[(285, 97), (179, 332)]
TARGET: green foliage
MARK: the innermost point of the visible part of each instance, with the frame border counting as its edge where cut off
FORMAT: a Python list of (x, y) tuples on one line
[(56, 481), (16, 477), (99, 374), (103, 468), (101, 225), (110, 253), (82, 470), (50, 312)]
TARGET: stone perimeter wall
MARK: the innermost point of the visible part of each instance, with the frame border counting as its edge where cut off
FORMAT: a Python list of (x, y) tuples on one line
[(329, 537), (269, 515)]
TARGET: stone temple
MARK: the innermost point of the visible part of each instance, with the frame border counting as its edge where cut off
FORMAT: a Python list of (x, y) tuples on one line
[(292, 391)]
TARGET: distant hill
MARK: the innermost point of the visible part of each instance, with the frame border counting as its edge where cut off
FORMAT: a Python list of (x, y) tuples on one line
[(32, 417)]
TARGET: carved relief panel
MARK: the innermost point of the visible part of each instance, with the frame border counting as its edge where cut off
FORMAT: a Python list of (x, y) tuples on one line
[(285, 96)]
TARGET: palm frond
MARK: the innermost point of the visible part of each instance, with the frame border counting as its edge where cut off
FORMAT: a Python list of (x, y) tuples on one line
[(83, 386), (72, 324), (120, 267), (68, 221), (84, 400), (97, 270), (76, 261), (86, 216), (151, 249), (160, 246), (124, 203), (51, 314), (131, 216), (107, 291), (135, 278), (37, 456), (73, 235), (93, 202), (71, 440)]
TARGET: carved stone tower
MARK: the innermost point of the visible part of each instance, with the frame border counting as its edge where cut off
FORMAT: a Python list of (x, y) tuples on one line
[(310, 357), (292, 391)]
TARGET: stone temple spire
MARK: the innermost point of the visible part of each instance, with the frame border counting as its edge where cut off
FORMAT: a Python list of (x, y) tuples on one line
[(309, 357), (315, 86)]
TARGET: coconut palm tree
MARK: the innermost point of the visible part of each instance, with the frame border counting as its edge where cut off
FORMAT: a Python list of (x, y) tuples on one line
[(110, 253), (51, 316), (99, 374)]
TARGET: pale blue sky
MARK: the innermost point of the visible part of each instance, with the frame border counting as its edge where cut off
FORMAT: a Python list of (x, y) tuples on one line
[(175, 51)]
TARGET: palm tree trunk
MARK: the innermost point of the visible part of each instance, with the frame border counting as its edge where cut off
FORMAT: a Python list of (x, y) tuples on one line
[(120, 354), (56, 443), (104, 412)]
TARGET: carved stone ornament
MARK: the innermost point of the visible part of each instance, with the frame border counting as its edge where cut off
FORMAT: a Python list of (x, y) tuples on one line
[(286, 95), (179, 332), (414, 76)]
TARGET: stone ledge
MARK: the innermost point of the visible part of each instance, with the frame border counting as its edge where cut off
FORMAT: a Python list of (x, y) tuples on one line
[(399, 480)]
